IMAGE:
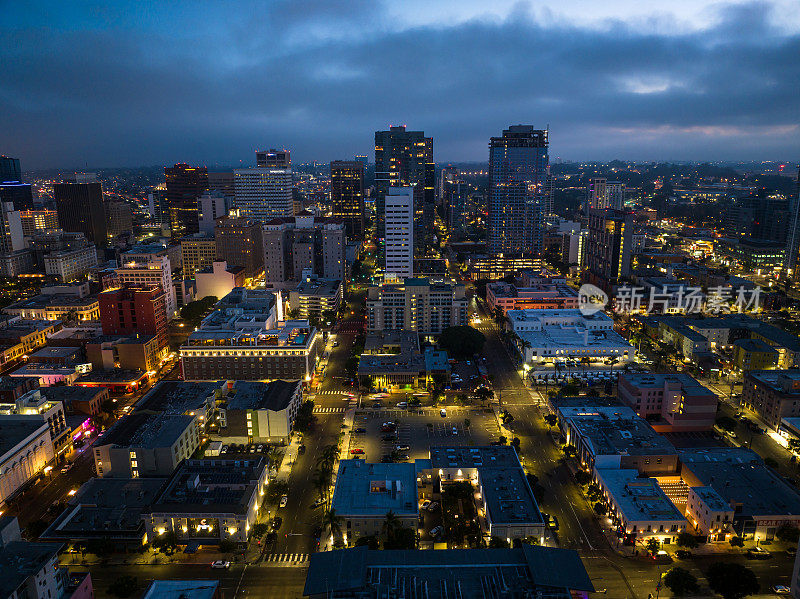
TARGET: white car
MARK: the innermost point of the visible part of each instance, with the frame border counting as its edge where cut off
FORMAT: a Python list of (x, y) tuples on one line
[(220, 565), (781, 589), (425, 504), (284, 501)]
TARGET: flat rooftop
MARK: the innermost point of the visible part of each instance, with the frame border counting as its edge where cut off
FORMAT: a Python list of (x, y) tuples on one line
[(14, 430), (211, 486), (741, 478), (612, 430), (146, 430), (522, 572), (390, 340), (497, 456), (55, 300), (320, 287), (782, 381), (252, 395), (365, 489), (106, 506), (653, 380), (115, 375), (55, 353), (179, 397), (711, 498), (182, 589), (21, 559), (639, 499)]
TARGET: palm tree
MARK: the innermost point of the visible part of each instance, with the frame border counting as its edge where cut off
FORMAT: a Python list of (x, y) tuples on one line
[(322, 483), (327, 457), (390, 525), (332, 522), (273, 455)]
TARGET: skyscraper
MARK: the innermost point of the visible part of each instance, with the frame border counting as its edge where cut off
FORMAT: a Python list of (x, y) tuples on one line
[(263, 193), (400, 231), (12, 189), (791, 260), (185, 184), (608, 248), (240, 243), (405, 159), (10, 169), (273, 158), (596, 198), (347, 195), (520, 190), (81, 210)]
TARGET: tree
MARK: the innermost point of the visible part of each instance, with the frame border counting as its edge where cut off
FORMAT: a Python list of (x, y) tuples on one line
[(771, 462), (277, 489), (167, 542), (304, 419), (731, 580), (788, 532), (600, 509), (332, 522), (737, 542), (515, 443), (259, 530), (680, 581), (462, 341), (726, 423), (570, 451), (582, 477), (551, 420), (653, 545), (498, 543), (687, 540), (124, 586), (294, 313), (193, 311), (370, 541), (227, 546)]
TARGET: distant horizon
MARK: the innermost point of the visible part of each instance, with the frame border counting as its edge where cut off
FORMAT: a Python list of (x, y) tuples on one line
[(127, 83)]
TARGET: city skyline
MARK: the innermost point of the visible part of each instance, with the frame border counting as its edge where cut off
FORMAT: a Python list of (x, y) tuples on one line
[(683, 81)]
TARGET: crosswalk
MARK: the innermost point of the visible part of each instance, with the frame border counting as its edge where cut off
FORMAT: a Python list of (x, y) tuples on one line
[(331, 392), (286, 558), (323, 410)]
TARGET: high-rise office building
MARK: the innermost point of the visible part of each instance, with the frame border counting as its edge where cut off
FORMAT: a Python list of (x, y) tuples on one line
[(303, 245), (347, 195), (240, 243), (595, 195), (520, 190), (608, 248), (400, 231), (221, 182), (211, 206), (615, 192), (362, 159), (448, 174), (11, 236), (149, 266), (10, 169), (405, 159), (791, 260), (81, 210), (38, 220), (119, 218), (198, 251), (263, 193), (185, 185), (273, 158)]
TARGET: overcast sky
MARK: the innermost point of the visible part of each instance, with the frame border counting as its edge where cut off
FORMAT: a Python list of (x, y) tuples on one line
[(141, 83)]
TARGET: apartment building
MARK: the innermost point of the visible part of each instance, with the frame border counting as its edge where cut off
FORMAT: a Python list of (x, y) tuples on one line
[(416, 305)]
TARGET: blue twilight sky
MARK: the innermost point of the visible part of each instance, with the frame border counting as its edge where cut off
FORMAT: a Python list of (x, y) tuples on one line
[(137, 82)]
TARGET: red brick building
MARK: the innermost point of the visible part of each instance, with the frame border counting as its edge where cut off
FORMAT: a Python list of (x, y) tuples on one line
[(135, 311)]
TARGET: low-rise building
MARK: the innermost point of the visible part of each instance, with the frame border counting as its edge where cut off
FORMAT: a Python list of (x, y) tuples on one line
[(520, 572), (408, 368), (25, 451), (710, 514), (208, 501), (541, 296), (615, 437), (30, 570), (184, 589), (69, 265), (365, 492), (142, 444), (179, 397), (558, 334), (258, 412), (126, 352), (19, 338), (761, 500), (754, 354), (83, 400), (47, 375), (772, 394), (56, 307), (639, 509), (107, 508), (198, 251), (57, 355), (314, 296), (37, 406), (670, 402), (507, 499), (115, 380)]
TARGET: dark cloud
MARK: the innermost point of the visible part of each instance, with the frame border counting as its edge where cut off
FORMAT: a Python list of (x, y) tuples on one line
[(320, 77)]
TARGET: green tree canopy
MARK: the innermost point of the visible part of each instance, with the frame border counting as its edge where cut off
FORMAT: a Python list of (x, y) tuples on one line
[(462, 341), (680, 581), (731, 580)]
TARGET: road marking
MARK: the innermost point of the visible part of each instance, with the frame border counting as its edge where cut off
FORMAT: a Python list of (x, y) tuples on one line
[(239, 584)]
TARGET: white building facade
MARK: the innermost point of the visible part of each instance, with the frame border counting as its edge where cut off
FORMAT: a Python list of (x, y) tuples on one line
[(263, 193), (399, 217)]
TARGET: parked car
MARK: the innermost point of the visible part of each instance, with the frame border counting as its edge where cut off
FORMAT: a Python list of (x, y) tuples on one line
[(443, 413), (357, 451), (301, 450), (454, 431), (388, 438), (780, 589), (425, 504), (436, 531), (758, 553), (377, 404), (433, 506), (220, 564), (276, 523), (402, 405), (683, 554), (403, 447), (360, 431), (284, 501)]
